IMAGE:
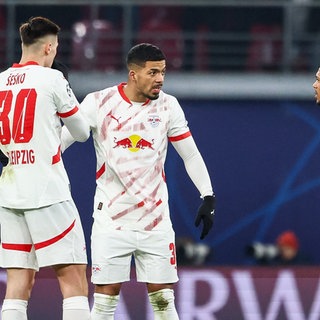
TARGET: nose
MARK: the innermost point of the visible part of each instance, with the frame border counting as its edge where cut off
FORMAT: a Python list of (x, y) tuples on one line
[(160, 77)]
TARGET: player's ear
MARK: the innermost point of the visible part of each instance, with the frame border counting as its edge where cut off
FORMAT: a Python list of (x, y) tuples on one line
[(47, 48), (132, 75)]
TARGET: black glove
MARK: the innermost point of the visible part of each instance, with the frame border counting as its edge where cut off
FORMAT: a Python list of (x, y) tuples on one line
[(206, 213), (3, 159)]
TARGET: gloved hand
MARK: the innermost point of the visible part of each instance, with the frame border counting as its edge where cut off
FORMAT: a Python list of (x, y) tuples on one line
[(206, 213), (3, 159)]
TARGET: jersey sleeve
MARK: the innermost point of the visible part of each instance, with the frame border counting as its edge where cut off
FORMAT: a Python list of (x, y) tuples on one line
[(195, 165), (178, 125), (68, 109), (88, 109), (180, 136), (64, 97)]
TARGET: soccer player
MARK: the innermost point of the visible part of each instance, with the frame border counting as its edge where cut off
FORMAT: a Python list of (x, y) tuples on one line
[(131, 124), (316, 87), (55, 65), (40, 224)]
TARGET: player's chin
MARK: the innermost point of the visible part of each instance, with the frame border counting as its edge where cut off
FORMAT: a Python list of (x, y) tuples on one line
[(154, 97)]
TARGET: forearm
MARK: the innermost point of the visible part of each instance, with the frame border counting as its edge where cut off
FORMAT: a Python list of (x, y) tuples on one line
[(66, 139), (194, 165), (77, 127), (199, 175)]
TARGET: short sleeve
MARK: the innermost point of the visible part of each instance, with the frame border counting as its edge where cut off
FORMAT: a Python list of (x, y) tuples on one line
[(178, 125)]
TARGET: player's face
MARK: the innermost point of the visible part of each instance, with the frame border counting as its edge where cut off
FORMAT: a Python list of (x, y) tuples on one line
[(149, 80), (316, 86)]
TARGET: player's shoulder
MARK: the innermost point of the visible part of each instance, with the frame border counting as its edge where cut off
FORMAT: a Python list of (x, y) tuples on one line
[(51, 76), (167, 98), (32, 74), (5, 73), (102, 94), (52, 73)]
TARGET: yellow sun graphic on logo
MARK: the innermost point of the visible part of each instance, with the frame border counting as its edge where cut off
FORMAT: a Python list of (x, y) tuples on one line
[(134, 139)]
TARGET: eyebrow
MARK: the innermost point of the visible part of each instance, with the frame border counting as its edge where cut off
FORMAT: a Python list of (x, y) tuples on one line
[(157, 69)]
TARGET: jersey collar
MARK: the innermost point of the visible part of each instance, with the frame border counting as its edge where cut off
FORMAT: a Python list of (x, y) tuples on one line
[(124, 97), (29, 63)]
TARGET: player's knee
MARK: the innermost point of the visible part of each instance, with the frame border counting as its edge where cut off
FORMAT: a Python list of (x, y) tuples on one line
[(72, 280), (104, 305), (162, 300), (20, 283)]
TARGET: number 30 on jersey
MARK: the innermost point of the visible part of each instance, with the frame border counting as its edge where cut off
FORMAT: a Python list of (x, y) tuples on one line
[(21, 129)]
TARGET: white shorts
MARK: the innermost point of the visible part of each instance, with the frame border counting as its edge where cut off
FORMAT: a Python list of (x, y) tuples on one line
[(42, 237), (154, 256)]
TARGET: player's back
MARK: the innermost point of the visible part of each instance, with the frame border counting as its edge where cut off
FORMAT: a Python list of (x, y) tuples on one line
[(31, 97)]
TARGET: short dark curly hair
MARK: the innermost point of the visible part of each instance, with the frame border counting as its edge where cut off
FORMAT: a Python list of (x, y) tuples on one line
[(143, 52)]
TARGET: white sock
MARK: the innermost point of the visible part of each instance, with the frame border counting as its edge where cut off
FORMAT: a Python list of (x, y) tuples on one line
[(14, 309), (104, 306), (76, 308), (162, 302)]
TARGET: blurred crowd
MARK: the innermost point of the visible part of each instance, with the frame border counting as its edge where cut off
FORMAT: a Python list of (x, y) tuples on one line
[(285, 250), (195, 38)]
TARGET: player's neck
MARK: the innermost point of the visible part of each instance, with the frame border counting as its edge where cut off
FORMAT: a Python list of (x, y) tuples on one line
[(27, 58), (132, 95)]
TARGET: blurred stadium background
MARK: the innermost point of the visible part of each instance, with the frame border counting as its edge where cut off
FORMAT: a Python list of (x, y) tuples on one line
[(243, 71)]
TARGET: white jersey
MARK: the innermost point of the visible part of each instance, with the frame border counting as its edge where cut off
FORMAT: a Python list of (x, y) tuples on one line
[(32, 101), (131, 142)]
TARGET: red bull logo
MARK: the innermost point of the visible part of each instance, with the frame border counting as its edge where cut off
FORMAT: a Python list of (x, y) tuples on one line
[(134, 143)]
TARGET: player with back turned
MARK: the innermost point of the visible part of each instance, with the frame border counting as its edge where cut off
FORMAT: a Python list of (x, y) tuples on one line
[(55, 65), (40, 224), (131, 124)]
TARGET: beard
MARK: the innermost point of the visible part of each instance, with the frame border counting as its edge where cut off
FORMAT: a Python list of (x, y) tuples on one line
[(153, 97)]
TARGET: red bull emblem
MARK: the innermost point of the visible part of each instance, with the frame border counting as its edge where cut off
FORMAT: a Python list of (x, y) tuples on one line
[(134, 143), (124, 143)]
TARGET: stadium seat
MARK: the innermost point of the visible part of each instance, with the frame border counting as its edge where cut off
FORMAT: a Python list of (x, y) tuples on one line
[(201, 49), (163, 29), (96, 45), (265, 49)]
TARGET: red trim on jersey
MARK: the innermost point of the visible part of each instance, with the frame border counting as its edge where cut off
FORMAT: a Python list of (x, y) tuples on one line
[(17, 247), (180, 137), (101, 171), (57, 157), (124, 212), (164, 176), (69, 113), (53, 240), (123, 95), (148, 100), (29, 63), (156, 221)]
